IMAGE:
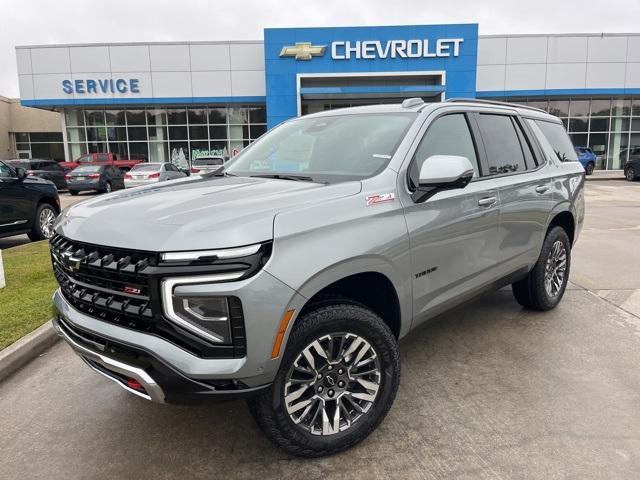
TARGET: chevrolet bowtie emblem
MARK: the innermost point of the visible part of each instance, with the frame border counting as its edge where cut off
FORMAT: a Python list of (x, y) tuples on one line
[(303, 51)]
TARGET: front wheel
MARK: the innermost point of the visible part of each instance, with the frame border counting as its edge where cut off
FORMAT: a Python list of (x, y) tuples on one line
[(589, 168), (43, 225), (107, 188), (544, 286), (630, 174), (338, 378)]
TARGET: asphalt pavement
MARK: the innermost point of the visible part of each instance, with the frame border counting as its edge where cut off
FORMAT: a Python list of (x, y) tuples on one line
[(488, 391)]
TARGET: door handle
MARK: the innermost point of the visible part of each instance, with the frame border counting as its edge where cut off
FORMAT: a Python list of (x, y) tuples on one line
[(487, 201), (541, 189)]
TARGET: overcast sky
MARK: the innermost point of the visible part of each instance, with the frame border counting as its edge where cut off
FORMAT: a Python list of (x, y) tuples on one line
[(35, 22)]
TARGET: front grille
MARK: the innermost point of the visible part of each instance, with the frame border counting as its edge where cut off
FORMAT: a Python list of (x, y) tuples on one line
[(123, 287)]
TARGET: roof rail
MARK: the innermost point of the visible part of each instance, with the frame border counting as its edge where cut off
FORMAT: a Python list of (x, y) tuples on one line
[(493, 102), (412, 102)]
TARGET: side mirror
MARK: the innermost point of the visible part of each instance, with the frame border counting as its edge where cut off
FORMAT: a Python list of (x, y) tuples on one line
[(442, 172), (21, 173)]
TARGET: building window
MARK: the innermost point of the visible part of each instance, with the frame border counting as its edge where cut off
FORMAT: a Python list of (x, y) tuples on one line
[(43, 145), (177, 134), (609, 126)]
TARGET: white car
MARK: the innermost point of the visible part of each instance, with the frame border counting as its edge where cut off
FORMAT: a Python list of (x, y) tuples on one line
[(206, 164), (147, 173)]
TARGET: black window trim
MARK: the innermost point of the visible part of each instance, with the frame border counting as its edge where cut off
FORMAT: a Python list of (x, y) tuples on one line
[(472, 132)]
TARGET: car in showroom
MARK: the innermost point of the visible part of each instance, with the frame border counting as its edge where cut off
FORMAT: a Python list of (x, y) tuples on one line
[(289, 276), (148, 173), (208, 164), (46, 169), (27, 204), (98, 178), (631, 168), (587, 158)]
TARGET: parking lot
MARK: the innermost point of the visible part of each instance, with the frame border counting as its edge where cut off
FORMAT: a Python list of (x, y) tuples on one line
[(488, 391)]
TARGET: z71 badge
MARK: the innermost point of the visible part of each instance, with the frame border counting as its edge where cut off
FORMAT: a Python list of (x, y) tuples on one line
[(380, 198)]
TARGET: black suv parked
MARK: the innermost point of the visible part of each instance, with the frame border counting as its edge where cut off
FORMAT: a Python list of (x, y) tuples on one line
[(47, 169), (27, 204)]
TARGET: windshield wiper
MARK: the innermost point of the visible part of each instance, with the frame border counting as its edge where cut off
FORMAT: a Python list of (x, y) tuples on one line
[(280, 176), (221, 172)]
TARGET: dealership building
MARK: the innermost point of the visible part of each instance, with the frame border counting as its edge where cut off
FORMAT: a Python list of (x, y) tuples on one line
[(178, 101)]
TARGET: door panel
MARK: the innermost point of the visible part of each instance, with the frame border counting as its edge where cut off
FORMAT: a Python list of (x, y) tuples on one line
[(525, 201), (454, 233), (525, 191), (454, 238), (14, 202)]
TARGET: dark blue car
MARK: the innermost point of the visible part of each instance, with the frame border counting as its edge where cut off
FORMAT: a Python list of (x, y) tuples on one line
[(587, 159)]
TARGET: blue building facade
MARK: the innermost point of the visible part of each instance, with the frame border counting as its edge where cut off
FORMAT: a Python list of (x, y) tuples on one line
[(427, 60)]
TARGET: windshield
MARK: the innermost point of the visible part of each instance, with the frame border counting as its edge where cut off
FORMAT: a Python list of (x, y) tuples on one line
[(325, 149), (204, 161), (149, 167), (87, 169)]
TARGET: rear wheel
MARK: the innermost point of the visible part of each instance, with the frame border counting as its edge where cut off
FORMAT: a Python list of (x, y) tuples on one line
[(338, 378), (43, 224), (630, 174), (589, 168), (73, 192), (544, 286)]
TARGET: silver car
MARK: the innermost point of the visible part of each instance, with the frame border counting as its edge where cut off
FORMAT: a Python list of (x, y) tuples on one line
[(149, 173), (289, 275), (206, 164)]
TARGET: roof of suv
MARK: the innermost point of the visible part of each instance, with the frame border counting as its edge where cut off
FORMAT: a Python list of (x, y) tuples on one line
[(411, 105)]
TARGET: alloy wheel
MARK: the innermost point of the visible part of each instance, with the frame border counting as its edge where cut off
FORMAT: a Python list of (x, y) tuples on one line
[(46, 220), (631, 174), (332, 383), (555, 269)]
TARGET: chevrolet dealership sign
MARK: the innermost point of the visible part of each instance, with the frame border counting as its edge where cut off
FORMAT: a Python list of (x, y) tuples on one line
[(372, 49)]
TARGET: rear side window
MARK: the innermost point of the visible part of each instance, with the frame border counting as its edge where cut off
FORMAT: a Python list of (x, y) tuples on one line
[(447, 135), (502, 144), (559, 140), (103, 157)]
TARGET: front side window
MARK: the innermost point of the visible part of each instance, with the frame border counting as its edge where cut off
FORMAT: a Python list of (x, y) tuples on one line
[(501, 143), (325, 149), (559, 140), (447, 135), (6, 171)]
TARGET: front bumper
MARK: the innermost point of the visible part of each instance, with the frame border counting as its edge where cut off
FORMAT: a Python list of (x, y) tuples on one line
[(180, 375)]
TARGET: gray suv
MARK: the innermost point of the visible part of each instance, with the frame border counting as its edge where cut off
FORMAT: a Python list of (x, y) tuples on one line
[(289, 275)]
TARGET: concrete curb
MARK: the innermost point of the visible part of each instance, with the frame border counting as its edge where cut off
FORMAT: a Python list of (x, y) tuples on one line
[(26, 349), (601, 178)]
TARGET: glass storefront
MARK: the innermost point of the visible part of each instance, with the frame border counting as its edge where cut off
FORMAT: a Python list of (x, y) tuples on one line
[(609, 126), (173, 134)]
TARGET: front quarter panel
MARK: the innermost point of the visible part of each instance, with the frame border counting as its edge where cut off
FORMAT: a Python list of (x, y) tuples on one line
[(319, 244)]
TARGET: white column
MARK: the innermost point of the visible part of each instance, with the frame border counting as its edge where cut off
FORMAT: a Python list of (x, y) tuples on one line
[(2, 281)]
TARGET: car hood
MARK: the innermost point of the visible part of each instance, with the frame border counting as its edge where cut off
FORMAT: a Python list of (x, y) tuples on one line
[(193, 213)]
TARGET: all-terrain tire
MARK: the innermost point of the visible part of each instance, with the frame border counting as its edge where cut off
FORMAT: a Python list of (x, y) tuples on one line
[(269, 407), (531, 291)]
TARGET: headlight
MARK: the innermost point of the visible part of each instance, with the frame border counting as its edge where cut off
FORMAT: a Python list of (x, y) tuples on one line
[(205, 315), (209, 314)]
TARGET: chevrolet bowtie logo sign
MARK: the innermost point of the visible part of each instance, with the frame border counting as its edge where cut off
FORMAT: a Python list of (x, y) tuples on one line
[(303, 51)]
